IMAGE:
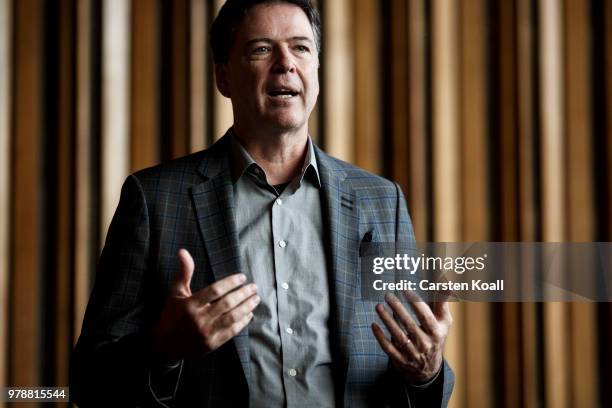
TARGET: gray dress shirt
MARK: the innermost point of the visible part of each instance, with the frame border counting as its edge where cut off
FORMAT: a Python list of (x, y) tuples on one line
[(281, 247)]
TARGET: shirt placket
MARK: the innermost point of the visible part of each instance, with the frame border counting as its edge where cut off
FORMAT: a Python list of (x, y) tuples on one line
[(286, 313)]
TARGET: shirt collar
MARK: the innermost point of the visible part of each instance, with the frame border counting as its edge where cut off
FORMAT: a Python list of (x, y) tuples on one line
[(242, 162)]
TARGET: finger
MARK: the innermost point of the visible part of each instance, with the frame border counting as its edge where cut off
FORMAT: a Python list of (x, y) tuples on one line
[(391, 324), (231, 300), (220, 288), (426, 317), (224, 335), (236, 314), (442, 311), (407, 348), (181, 285), (387, 346), (412, 328)]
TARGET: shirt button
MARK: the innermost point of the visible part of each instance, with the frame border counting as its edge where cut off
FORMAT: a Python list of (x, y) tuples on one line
[(285, 285), (289, 330), (292, 372), (282, 244), (279, 201)]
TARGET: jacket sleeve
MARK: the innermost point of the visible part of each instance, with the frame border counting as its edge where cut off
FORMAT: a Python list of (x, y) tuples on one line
[(112, 362), (436, 393)]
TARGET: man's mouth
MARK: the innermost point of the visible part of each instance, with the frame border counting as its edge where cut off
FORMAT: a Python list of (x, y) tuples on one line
[(282, 93)]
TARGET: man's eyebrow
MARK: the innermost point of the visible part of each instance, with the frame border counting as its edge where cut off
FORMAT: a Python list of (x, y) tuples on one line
[(257, 40), (270, 41)]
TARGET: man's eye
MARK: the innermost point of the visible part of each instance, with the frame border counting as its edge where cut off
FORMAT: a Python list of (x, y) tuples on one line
[(260, 50), (302, 48)]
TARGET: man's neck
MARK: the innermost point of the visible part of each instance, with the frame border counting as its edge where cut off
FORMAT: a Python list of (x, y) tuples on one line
[(281, 155)]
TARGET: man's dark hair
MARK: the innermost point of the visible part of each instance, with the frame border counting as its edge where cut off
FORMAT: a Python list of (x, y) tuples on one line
[(231, 15)]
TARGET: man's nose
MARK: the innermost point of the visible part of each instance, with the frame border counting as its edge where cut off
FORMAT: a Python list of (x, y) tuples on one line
[(283, 61)]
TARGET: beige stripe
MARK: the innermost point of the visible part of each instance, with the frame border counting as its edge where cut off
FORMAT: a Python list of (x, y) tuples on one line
[(5, 173), (446, 138), (556, 347), (446, 151), (83, 165), (338, 94), (115, 105), (199, 75)]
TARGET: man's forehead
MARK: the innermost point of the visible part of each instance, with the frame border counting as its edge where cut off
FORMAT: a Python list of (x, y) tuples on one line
[(275, 21)]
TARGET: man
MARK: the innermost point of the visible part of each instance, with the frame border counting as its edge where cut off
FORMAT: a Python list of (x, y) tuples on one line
[(229, 277)]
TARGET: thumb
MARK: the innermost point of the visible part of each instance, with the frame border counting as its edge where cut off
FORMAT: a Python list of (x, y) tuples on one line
[(180, 286)]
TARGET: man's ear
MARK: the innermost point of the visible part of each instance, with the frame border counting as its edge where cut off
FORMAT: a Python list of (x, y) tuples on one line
[(221, 80)]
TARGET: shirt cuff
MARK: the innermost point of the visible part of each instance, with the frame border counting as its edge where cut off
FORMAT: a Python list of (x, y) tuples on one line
[(428, 383)]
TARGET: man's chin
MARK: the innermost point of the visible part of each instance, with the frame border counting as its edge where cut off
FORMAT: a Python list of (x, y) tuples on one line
[(285, 124)]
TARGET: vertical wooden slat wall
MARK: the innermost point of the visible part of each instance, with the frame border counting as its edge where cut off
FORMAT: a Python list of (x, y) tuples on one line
[(474, 175), (366, 46), (580, 205), (530, 394), (115, 144), (494, 117), (25, 325), (337, 71), (198, 38), (446, 153), (417, 190), (398, 91), (5, 168), (145, 90), (84, 232), (222, 107), (63, 139)]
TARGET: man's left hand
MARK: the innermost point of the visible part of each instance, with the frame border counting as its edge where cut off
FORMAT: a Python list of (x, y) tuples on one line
[(415, 350)]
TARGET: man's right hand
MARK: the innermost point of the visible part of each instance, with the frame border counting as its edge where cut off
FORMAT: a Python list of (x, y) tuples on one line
[(193, 324)]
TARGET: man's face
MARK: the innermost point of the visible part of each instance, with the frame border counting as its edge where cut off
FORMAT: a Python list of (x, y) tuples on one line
[(272, 72)]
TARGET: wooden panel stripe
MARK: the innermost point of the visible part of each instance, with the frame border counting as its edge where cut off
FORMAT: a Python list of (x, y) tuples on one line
[(65, 183), (398, 92), (145, 89), (556, 364), (5, 174), (115, 105), (474, 174), (83, 165), (446, 169), (25, 328), (368, 137), (580, 192), (530, 358), (446, 140), (180, 134), (199, 75), (338, 71), (419, 160), (223, 116)]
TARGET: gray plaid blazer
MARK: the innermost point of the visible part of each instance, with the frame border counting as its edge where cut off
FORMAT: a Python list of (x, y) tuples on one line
[(188, 203)]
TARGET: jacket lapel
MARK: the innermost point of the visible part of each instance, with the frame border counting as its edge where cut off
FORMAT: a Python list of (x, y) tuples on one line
[(341, 210), (214, 207)]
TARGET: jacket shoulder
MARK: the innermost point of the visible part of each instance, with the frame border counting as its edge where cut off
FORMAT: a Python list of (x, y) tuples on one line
[(358, 178)]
